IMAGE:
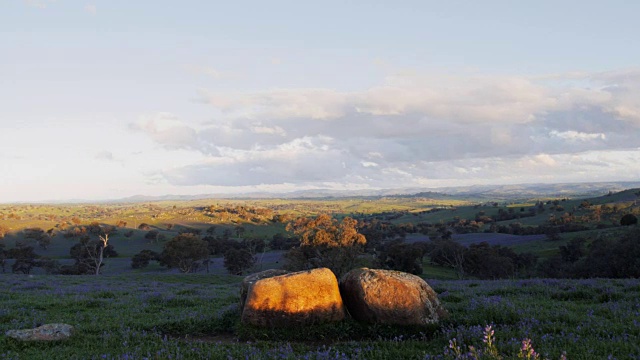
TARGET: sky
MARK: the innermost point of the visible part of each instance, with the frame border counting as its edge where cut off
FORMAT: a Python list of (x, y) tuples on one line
[(105, 99)]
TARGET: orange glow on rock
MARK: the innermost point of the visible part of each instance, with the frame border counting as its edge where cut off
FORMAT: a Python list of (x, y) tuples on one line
[(305, 297)]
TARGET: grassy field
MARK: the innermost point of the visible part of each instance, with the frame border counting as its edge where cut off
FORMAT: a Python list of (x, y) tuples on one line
[(156, 313), (169, 316)]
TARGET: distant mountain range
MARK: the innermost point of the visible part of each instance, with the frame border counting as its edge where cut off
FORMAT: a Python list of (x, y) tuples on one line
[(471, 193), (475, 192)]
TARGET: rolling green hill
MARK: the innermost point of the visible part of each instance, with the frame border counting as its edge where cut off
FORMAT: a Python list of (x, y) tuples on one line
[(263, 218)]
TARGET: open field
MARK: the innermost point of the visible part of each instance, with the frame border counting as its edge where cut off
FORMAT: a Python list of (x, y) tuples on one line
[(190, 212), (196, 317)]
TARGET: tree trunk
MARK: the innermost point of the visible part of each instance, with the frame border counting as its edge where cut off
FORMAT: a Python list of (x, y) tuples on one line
[(104, 239)]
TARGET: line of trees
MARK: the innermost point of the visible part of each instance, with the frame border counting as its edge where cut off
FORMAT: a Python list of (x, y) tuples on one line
[(188, 252), (481, 260), (88, 254), (324, 241), (605, 256)]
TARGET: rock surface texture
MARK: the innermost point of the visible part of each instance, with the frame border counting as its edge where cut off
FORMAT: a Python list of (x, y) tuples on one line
[(48, 332), (390, 297), (248, 282), (300, 298)]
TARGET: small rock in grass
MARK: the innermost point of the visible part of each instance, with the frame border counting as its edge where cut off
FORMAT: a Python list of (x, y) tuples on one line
[(48, 332), (390, 297)]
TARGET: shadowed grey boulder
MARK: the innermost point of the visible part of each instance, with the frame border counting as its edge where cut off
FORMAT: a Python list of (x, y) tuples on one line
[(390, 297)]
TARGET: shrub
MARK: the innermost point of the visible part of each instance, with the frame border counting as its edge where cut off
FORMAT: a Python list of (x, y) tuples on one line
[(236, 261), (141, 259), (183, 252), (628, 219)]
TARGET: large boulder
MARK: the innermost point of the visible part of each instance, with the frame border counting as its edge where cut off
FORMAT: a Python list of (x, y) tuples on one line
[(248, 281), (48, 332), (390, 297), (300, 298)]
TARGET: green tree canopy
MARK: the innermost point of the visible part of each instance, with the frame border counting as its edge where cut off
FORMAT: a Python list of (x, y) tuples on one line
[(184, 251), (238, 260)]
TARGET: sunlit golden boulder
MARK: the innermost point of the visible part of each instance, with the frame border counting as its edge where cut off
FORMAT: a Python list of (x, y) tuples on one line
[(249, 280), (300, 298), (390, 297)]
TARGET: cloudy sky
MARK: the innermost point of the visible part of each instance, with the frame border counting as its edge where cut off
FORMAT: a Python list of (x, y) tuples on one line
[(105, 99)]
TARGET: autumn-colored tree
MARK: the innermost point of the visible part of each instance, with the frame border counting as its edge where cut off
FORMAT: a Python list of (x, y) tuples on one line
[(327, 231), (597, 213), (325, 242), (75, 232)]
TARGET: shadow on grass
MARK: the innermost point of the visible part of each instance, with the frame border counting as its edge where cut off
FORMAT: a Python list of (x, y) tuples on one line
[(227, 327)]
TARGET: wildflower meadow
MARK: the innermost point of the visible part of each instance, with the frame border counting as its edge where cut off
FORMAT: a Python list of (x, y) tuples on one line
[(172, 316)]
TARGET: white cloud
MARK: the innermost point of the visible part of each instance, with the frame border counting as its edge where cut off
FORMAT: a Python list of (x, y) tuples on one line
[(211, 72), (442, 100), (305, 160), (40, 4), (91, 9), (319, 104), (216, 74), (540, 159), (276, 130), (409, 130), (167, 130), (577, 136), (105, 155)]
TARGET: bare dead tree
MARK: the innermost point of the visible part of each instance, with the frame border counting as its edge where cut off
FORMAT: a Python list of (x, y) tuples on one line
[(103, 241), (95, 251), (455, 259)]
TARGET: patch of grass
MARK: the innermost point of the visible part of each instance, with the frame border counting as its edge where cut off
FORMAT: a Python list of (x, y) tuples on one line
[(104, 295), (347, 330), (576, 295), (437, 272)]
